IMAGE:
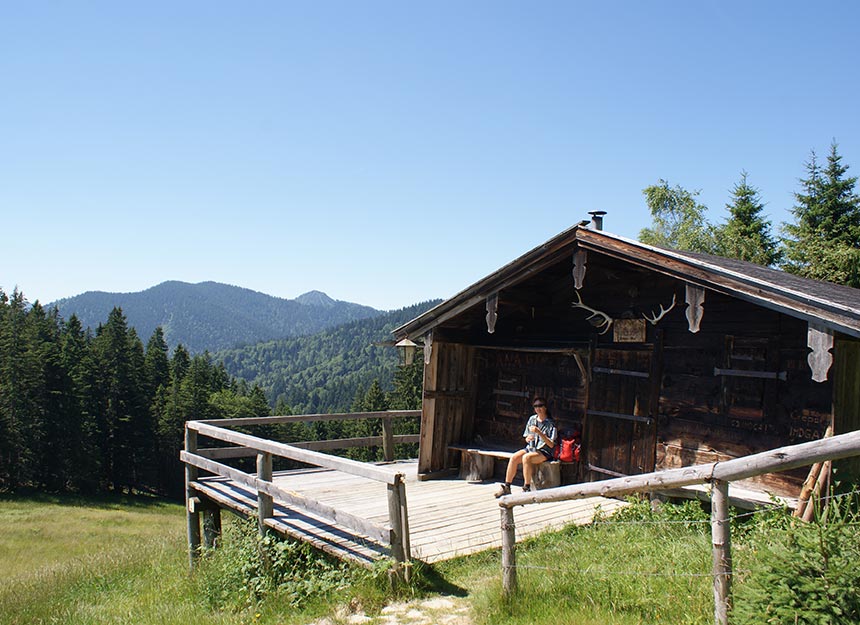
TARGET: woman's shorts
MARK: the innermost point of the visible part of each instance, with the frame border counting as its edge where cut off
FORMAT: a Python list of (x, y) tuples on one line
[(547, 453)]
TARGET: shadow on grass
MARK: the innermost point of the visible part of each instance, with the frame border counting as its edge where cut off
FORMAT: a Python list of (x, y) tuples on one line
[(428, 579), (103, 501)]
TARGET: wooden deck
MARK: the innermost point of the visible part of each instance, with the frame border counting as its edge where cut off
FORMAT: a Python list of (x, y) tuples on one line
[(447, 517)]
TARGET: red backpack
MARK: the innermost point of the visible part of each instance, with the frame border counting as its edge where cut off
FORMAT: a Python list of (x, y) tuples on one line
[(567, 448)]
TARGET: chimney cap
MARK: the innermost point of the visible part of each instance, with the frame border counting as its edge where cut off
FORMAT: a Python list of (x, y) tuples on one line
[(597, 219)]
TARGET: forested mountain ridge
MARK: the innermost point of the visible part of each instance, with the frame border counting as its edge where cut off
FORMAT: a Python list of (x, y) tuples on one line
[(213, 316), (322, 373)]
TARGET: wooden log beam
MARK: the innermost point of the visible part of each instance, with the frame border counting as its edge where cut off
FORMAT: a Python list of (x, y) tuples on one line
[(220, 453), (814, 499), (775, 460), (376, 532), (284, 450), (395, 520), (346, 416), (265, 502), (722, 551), (211, 526), (387, 440), (509, 552), (192, 517)]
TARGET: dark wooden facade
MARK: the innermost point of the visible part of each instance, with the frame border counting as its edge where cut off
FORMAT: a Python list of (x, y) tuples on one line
[(721, 380)]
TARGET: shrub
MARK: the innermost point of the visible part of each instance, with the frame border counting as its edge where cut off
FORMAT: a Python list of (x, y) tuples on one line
[(248, 569), (804, 573)]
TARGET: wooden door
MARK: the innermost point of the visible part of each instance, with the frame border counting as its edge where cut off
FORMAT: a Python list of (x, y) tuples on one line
[(620, 425)]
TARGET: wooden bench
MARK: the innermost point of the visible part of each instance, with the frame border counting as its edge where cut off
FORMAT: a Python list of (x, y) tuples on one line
[(477, 464)]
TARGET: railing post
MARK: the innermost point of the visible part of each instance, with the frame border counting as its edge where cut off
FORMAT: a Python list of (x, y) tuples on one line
[(395, 519), (721, 539), (192, 516), (387, 439), (404, 529), (509, 552), (265, 504), (211, 526)]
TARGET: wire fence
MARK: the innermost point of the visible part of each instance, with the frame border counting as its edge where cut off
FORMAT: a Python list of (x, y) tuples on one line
[(677, 563)]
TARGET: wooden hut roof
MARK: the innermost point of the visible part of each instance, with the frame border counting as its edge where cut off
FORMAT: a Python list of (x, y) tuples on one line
[(830, 305)]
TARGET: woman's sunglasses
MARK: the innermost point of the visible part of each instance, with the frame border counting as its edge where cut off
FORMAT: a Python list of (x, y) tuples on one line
[(538, 405)]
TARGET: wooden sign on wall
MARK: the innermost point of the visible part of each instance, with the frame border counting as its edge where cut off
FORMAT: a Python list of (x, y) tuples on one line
[(629, 331)]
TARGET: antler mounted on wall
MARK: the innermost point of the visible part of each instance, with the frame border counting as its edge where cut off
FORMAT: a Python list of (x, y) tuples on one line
[(662, 314), (600, 319)]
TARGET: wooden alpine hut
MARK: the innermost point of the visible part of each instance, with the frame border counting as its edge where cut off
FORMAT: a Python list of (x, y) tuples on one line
[(661, 358)]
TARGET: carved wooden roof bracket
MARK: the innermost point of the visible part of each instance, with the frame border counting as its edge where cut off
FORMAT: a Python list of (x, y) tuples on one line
[(695, 310), (492, 312), (820, 341), (580, 257)]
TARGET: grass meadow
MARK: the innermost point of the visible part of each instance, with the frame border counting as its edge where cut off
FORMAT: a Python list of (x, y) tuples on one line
[(112, 560)]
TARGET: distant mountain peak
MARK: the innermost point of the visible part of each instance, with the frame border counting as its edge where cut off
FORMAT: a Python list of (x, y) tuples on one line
[(316, 298), (209, 316)]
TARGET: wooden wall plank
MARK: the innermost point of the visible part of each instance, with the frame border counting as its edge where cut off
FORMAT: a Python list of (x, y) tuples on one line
[(846, 400)]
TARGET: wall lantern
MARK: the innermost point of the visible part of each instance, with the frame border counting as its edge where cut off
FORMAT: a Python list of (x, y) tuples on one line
[(407, 351)]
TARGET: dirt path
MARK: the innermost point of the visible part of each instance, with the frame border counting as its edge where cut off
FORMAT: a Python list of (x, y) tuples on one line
[(438, 611)]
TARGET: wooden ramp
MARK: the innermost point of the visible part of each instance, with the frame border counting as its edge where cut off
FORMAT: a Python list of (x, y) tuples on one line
[(447, 517)]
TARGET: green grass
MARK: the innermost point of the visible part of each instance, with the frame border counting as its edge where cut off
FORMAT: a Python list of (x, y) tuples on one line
[(123, 560), (608, 573)]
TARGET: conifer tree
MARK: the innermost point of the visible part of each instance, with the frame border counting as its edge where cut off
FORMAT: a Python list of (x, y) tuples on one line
[(407, 394), (52, 416), (824, 241), (19, 386), (678, 219), (747, 234), (408, 386), (82, 462), (157, 363), (120, 394)]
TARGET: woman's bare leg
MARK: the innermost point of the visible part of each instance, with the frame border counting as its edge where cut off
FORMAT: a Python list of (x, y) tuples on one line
[(513, 463), (530, 461)]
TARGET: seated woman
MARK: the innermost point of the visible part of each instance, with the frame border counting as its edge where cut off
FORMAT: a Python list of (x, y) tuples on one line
[(540, 436)]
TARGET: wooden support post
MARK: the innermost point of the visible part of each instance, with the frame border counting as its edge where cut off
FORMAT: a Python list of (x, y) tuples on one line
[(192, 516), (815, 502), (387, 439), (211, 526), (475, 467), (547, 475), (404, 529), (721, 539), (509, 552), (395, 519), (265, 505)]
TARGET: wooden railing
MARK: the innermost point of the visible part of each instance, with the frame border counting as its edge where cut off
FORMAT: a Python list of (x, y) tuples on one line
[(394, 535), (717, 474)]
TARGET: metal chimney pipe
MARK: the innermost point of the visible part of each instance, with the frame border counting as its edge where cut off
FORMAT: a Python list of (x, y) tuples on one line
[(597, 219)]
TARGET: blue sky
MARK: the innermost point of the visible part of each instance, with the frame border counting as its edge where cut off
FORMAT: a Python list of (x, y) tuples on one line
[(389, 152)]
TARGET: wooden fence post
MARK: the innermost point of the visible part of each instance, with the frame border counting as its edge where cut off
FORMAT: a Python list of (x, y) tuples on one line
[(395, 519), (211, 526), (509, 552), (192, 516), (404, 529), (265, 504), (387, 439), (721, 539)]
